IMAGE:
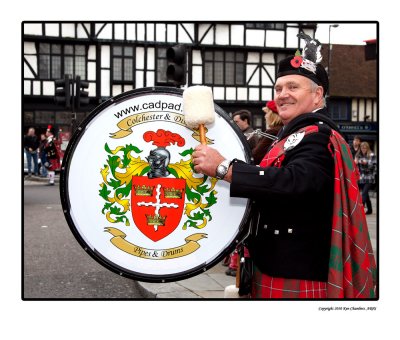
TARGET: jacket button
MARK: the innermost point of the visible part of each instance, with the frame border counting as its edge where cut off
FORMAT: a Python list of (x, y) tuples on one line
[(261, 173), (290, 231), (276, 232), (265, 226)]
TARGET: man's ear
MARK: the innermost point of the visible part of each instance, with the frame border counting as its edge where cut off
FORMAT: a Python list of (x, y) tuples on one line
[(320, 92)]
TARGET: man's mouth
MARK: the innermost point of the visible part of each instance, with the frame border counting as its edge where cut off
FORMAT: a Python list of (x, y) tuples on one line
[(283, 105)]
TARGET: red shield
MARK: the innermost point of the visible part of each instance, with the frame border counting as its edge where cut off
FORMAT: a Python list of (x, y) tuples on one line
[(157, 205)]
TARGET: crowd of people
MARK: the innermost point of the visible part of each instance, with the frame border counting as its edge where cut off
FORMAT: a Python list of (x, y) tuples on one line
[(44, 149)]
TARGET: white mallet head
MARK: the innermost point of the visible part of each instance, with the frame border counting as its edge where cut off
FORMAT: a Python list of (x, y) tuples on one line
[(198, 106)]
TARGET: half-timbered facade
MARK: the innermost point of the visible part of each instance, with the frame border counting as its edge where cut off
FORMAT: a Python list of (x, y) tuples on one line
[(237, 59)]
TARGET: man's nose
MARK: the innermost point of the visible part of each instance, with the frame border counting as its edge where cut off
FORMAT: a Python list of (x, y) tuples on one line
[(283, 93)]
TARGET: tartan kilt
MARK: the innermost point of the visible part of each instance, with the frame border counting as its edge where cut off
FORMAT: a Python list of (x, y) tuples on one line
[(53, 164), (268, 287)]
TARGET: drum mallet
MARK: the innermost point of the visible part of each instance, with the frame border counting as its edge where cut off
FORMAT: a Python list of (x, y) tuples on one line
[(198, 107)]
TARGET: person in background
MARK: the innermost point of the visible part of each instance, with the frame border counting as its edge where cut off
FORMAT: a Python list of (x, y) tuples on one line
[(42, 154), (366, 162), (31, 145), (274, 124), (52, 157), (356, 145), (242, 119)]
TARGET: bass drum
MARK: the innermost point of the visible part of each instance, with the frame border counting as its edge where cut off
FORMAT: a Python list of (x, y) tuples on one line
[(131, 198)]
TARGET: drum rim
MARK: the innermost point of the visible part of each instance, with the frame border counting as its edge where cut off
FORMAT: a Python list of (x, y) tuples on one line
[(66, 206)]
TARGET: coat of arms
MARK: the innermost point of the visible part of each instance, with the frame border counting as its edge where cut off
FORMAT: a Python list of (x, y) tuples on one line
[(160, 192)]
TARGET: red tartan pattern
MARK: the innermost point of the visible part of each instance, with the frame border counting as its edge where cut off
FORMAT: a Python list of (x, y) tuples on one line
[(352, 267), (268, 287), (276, 154), (54, 164)]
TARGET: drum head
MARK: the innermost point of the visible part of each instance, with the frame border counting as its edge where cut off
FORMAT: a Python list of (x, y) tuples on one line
[(131, 198)]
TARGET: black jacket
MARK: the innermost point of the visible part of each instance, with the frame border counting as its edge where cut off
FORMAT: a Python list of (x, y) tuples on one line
[(31, 142), (291, 238)]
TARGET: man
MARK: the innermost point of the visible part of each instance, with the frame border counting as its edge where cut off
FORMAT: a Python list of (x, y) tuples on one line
[(53, 159), (356, 145), (31, 145), (303, 190), (242, 120)]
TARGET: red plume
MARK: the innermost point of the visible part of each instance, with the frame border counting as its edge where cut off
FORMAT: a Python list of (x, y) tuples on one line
[(163, 138)]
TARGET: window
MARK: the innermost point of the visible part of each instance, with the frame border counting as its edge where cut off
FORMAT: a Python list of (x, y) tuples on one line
[(55, 60), (339, 109), (224, 68), (162, 65), (122, 64), (265, 25)]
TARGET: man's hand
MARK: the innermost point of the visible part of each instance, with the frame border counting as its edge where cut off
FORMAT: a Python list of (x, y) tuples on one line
[(206, 160)]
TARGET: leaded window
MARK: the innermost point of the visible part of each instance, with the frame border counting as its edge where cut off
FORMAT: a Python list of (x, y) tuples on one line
[(224, 68), (123, 64), (55, 60)]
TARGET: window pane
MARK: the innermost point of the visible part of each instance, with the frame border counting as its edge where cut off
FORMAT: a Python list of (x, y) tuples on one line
[(219, 56), (28, 118), (44, 66), (162, 70), (44, 117), (128, 69), (117, 69), (208, 72), (219, 73), (117, 50), (162, 52), (63, 117), (230, 74), (68, 65), (229, 56), (208, 56), (56, 49), (44, 48), (56, 67), (80, 50), (68, 49), (239, 74), (128, 51), (80, 67), (239, 56)]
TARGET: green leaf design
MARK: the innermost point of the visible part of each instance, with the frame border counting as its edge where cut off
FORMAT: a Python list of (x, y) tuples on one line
[(187, 152), (127, 150), (107, 206), (116, 211), (191, 195), (113, 162), (190, 224), (122, 219), (107, 148), (104, 192), (197, 216), (202, 189), (207, 214), (211, 199), (115, 184), (125, 191)]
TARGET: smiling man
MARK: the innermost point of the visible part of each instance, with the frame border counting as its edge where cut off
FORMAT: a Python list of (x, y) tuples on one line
[(308, 224)]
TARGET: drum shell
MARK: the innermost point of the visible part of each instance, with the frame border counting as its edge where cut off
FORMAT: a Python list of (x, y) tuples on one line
[(75, 165)]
